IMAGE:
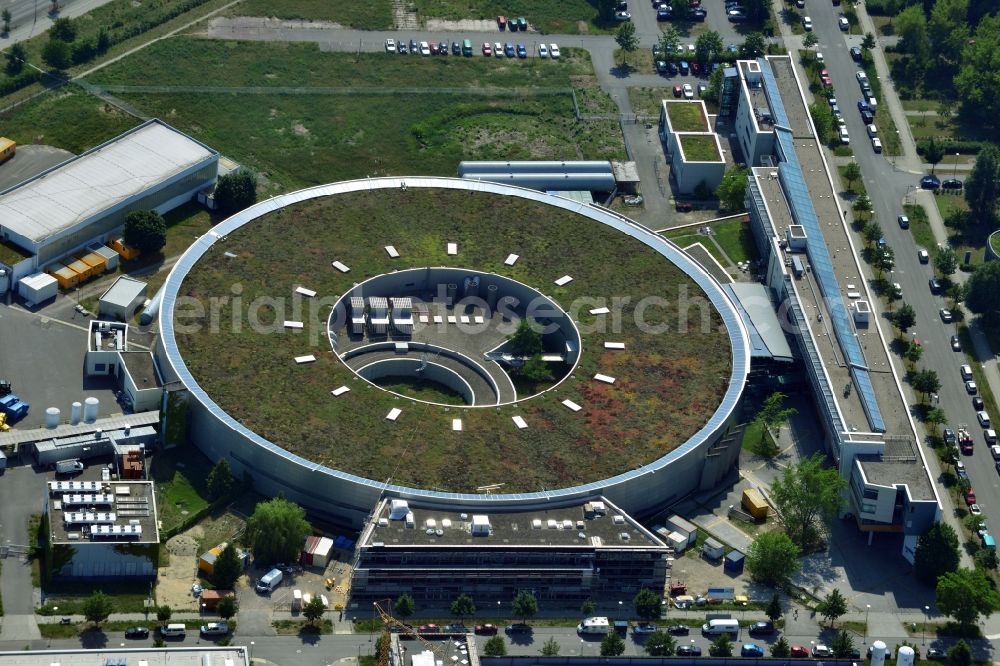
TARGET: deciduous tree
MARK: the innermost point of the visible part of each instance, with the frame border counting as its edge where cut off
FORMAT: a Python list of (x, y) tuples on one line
[(16, 56), (63, 29), (754, 46), (852, 172), (982, 187), (163, 613), (946, 261), (612, 645), (965, 595), (721, 646), (660, 644), (948, 29), (404, 606), (773, 414), (732, 188), (842, 645), (781, 649), (626, 39), (773, 610), (959, 654), (220, 480), (904, 317), (463, 606), (97, 607), (57, 54), (933, 152), (872, 231), (5, 17), (525, 605), (496, 646), (708, 47), (235, 191), (314, 610), (806, 497), (550, 648), (276, 530), (982, 292), (833, 606), (647, 604), (911, 26), (227, 607), (145, 230), (228, 568), (772, 559), (810, 40), (926, 382)]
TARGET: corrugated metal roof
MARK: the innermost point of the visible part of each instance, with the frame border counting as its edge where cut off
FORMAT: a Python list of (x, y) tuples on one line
[(80, 188), (65, 430)]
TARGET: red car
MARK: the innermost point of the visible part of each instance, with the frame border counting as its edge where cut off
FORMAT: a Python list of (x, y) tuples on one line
[(678, 91), (696, 69), (486, 629), (487, 49), (970, 497), (799, 651), (428, 629), (435, 49), (502, 22)]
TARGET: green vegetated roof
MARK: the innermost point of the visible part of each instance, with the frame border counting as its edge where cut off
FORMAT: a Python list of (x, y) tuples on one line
[(11, 254), (687, 117), (700, 148), (667, 385), (995, 242)]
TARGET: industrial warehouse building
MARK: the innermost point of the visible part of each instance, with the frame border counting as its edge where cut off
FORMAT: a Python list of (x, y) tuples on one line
[(65, 208), (122, 298), (135, 372), (591, 550)]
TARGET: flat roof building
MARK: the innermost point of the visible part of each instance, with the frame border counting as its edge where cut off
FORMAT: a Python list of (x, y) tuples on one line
[(812, 268), (90, 522), (122, 298), (565, 555), (150, 167), (150, 656)]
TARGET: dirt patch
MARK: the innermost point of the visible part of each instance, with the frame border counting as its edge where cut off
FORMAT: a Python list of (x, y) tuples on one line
[(299, 129), (462, 25), (173, 586), (583, 27)]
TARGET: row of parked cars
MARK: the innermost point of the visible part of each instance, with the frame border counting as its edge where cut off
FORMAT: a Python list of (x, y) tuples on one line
[(665, 11), (465, 48)]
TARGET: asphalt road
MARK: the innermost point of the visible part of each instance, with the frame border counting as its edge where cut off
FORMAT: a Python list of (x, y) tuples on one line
[(888, 188)]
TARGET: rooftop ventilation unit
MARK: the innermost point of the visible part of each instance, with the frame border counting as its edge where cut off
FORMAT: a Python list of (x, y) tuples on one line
[(480, 525)]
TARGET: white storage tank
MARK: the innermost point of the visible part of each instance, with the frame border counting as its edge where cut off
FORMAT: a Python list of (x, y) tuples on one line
[(878, 654), (90, 408), (51, 417), (76, 411), (905, 656)]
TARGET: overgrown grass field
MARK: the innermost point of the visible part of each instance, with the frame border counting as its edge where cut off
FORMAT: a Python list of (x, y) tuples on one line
[(367, 15)]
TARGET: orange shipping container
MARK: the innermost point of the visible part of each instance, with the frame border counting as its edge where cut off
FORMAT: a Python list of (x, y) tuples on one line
[(128, 253), (97, 263), (66, 276), (82, 269)]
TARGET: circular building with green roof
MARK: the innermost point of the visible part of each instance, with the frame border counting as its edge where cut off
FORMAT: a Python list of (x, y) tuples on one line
[(454, 343)]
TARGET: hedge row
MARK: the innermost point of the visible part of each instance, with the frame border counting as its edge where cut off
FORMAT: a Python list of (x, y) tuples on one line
[(952, 146)]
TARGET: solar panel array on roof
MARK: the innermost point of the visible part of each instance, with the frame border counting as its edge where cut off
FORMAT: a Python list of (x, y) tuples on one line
[(794, 184)]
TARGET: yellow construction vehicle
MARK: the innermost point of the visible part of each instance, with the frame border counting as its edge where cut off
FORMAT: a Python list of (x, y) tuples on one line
[(3, 422)]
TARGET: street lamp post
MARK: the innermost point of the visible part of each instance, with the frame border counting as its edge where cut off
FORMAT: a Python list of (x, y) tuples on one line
[(250, 656), (927, 613), (954, 172), (583, 645), (868, 609)]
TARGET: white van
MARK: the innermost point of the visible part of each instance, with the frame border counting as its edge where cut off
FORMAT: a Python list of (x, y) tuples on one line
[(683, 601), (173, 631), (269, 581), (718, 627), (594, 625)]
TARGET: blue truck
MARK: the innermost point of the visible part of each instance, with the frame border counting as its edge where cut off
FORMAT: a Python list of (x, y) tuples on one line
[(13, 407)]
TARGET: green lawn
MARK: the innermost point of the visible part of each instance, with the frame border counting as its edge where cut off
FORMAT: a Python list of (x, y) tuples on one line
[(11, 254), (71, 120), (700, 148), (920, 228), (736, 239), (421, 390), (546, 16), (687, 117), (641, 60), (295, 627), (367, 15), (887, 132), (919, 104), (647, 101), (665, 387), (300, 138), (180, 475), (684, 239)]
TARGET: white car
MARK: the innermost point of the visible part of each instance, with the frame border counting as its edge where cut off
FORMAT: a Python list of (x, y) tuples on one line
[(971, 388), (543, 51), (554, 50), (862, 77), (990, 435), (975, 510), (425, 48), (872, 131), (898, 289), (807, 23), (995, 452), (966, 371), (390, 45), (688, 91), (498, 49), (876, 144), (844, 137), (844, 24), (819, 57), (983, 418)]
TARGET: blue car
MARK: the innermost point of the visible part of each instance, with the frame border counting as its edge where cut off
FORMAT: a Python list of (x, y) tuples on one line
[(522, 52), (508, 50), (684, 67), (751, 650), (863, 105)]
